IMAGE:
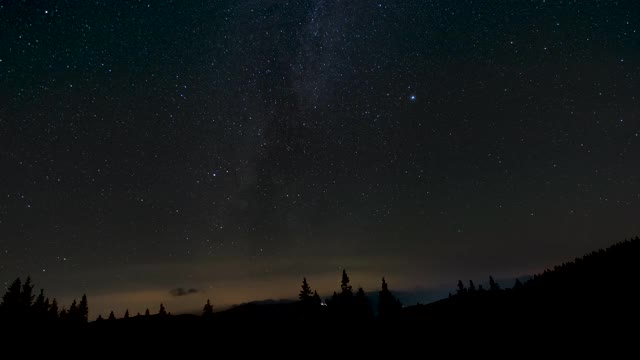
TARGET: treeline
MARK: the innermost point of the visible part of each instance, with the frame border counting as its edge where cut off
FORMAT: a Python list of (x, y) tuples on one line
[(348, 303), (20, 305), (596, 284), (591, 297), (604, 269)]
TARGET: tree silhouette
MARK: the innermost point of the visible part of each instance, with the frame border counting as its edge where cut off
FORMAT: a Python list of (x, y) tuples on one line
[(39, 303), (389, 306), (316, 299), (26, 297), (99, 318), (146, 312), (10, 308), (345, 288), (461, 289), (361, 306), (472, 287), (493, 285), (112, 316), (83, 310), (162, 311), (64, 314), (207, 311), (53, 310), (342, 304), (72, 314), (126, 314), (11, 299), (305, 293), (517, 285)]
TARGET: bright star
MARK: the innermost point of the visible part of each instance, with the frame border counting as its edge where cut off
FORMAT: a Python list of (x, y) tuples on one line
[(412, 98)]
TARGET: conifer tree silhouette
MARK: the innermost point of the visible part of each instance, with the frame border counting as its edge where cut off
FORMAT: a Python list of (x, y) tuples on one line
[(53, 310), (472, 287), (10, 308), (207, 311), (46, 306), (83, 310), (99, 318), (316, 299), (64, 314), (72, 313), (26, 297), (345, 288), (11, 299), (361, 305), (461, 289), (517, 285), (146, 312), (112, 316), (162, 311), (493, 285), (126, 314), (305, 293), (389, 306)]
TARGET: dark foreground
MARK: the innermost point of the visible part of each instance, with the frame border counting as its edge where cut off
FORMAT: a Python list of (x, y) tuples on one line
[(589, 304)]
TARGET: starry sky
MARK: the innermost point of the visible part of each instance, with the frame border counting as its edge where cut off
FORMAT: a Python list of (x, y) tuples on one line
[(232, 147)]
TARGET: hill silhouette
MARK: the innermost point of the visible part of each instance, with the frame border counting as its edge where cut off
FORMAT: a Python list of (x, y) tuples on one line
[(592, 299)]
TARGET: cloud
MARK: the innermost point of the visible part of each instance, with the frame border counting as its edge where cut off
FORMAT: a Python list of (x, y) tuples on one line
[(182, 291)]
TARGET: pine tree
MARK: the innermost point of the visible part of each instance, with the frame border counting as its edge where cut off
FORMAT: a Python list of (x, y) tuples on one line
[(47, 305), (26, 297), (112, 316), (493, 285), (362, 307), (207, 311), (53, 310), (64, 314), (389, 306), (316, 299), (99, 318), (11, 299), (162, 311), (72, 314), (472, 287), (39, 307), (461, 289), (126, 314), (346, 289), (305, 292), (83, 310), (146, 312), (517, 285), (10, 309)]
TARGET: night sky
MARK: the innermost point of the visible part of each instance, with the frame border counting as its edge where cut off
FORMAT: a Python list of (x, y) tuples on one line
[(233, 147)]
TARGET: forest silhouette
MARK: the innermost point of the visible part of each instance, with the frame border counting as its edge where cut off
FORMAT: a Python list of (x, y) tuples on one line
[(591, 300)]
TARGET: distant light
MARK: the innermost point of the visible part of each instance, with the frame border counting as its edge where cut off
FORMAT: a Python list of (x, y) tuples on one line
[(412, 98)]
